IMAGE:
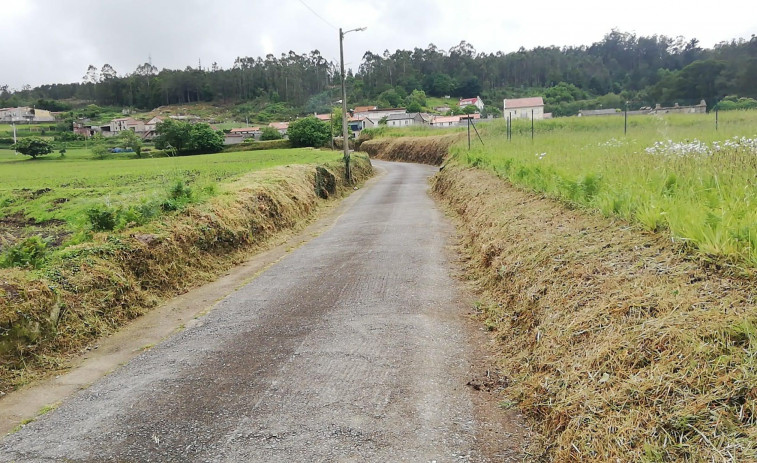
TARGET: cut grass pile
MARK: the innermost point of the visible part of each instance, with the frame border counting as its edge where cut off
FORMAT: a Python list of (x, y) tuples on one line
[(616, 346), (672, 173), (85, 290), (425, 150)]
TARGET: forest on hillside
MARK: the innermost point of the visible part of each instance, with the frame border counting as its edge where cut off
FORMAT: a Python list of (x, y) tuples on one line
[(621, 67)]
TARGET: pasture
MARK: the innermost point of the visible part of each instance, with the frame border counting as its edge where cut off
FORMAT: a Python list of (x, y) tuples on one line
[(62, 198), (672, 173)]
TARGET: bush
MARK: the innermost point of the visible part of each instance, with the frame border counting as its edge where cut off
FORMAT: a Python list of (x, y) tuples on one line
[(102, 218), (269, 133), (28, 253)]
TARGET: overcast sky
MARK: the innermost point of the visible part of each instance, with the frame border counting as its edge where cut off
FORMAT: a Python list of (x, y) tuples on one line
[(54, 41)]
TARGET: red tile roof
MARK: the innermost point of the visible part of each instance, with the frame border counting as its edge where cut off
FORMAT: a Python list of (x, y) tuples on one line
[(468, 101), (516, 103), (245, 129)]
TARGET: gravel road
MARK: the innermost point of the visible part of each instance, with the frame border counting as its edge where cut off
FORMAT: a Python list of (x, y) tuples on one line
[(352, 348)]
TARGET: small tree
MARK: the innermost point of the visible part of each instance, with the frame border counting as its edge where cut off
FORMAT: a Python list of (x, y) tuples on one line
[(204, 139), (309, 132), (414, 107), (269, 133), (100, 150), (129, 139), (33, 146)]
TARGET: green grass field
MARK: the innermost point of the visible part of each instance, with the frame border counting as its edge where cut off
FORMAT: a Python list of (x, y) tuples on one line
[(60, 193), (673, 172)]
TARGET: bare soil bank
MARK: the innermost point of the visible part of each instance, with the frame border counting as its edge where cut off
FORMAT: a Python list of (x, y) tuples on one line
[(96, 287), (613, 342)]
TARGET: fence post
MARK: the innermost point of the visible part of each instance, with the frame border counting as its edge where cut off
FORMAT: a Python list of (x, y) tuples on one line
[(716, 119), (468, 133), (532, 124)]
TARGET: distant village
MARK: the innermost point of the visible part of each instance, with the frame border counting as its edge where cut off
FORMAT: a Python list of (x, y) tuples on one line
[(360, 118)]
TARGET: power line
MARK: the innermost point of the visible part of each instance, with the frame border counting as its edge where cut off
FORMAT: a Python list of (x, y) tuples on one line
[(319, 16)]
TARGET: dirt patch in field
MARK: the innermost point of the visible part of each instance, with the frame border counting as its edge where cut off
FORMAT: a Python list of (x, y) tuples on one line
[(93, 288), (423, 150), (16, 227), (614, 342)]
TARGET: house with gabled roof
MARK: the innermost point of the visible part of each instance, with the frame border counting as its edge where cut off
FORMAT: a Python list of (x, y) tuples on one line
[(524, 108), (477, 102), (404, 120)]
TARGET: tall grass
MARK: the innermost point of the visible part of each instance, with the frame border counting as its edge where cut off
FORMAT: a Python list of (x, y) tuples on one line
[(85, 193), (672, 173)]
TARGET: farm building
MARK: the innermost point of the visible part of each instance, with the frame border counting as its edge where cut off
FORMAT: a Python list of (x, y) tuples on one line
[(701, 108), (523, 107)]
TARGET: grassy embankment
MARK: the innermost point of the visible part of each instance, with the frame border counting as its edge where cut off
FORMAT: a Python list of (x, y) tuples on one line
[(89, 244), (619, 344), (673, 174)]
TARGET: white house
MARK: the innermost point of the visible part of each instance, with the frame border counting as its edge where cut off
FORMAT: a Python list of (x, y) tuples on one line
[(25, 114), (523, 108), (378, 114), (477, 102)]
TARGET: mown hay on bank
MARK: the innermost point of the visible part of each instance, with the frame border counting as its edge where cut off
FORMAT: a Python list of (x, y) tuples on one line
[(425, 150), (618, 347), (93, 288)]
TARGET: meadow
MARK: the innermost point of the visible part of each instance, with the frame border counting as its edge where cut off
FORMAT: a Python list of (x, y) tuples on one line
[(671, 173), (65, 198)]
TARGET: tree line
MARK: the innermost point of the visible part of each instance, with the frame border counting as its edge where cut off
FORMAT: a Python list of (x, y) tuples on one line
[(620, 67)]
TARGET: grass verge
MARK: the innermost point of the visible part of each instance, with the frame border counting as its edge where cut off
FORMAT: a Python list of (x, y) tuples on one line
[(617, 345)]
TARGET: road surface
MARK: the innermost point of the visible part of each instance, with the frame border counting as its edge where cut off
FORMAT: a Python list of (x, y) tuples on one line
[(354, 347)]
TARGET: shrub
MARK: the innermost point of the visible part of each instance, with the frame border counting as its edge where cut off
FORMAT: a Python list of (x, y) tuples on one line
[(102, 218), (180, 190), (269, 133), (28, 253)]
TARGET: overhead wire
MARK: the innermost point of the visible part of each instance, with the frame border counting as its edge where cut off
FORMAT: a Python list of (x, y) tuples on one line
[(319, 16)]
